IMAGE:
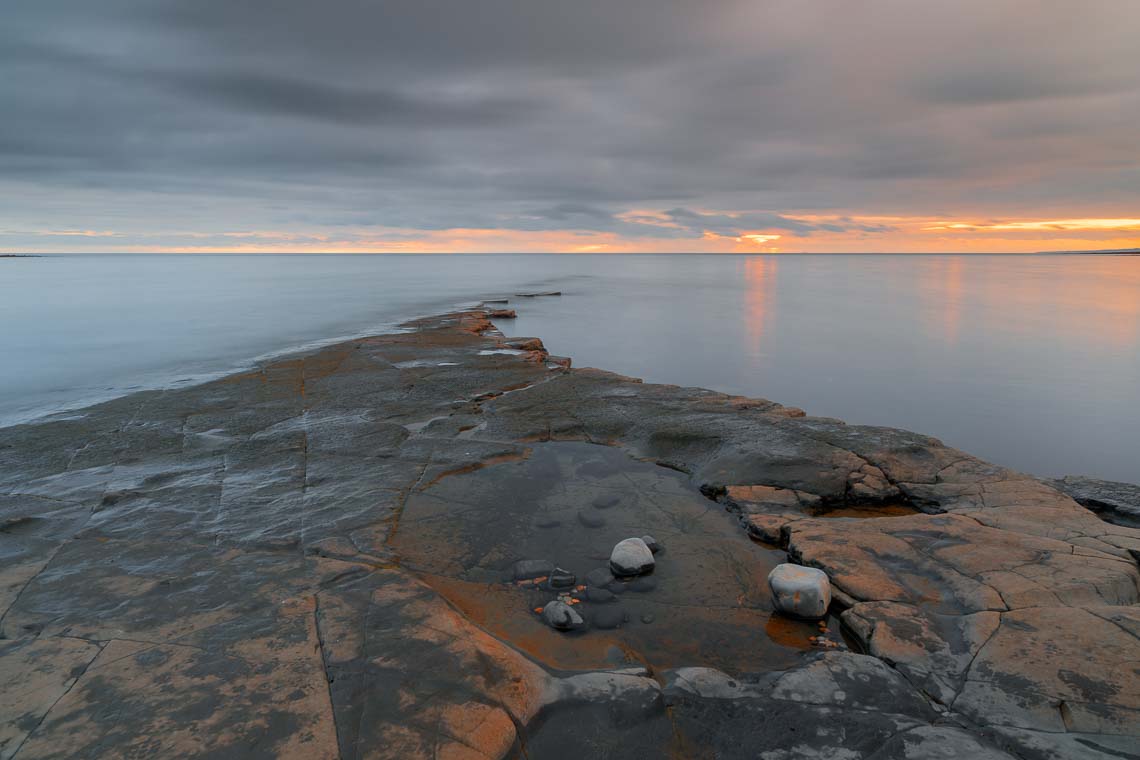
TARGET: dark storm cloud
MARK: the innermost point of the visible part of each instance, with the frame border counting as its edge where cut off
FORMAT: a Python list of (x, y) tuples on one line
[(444, 34), (718, 117), (270, 95)]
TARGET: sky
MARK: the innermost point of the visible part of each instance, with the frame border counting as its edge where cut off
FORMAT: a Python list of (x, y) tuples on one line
[(569, 126)]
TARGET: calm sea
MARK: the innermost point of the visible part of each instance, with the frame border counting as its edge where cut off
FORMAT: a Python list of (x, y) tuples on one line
[(1029, 361)]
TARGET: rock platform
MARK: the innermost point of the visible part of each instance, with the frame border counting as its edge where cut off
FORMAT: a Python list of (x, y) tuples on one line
[(317, 559)]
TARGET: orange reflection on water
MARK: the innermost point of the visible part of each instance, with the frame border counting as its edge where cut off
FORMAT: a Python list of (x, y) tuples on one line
[(1093, 298), (760, 273), (942, 280)]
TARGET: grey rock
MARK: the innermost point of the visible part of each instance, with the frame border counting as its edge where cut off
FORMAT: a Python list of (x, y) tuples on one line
[(1117, 503), (799, 591), (628, 685), (561, 616), (600, 577), (652, 543), (528, 569), (1057, 669), (854, 681), (938, 743), (631, 557), (932, 651), (560, 578), (1047, 745), (734, 720), (600, 595), (605, 502), (709, 683)]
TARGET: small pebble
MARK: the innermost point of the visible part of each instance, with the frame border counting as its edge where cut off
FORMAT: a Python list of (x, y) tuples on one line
[(527, 569), (562, 578), (647, 618), (561, 616)]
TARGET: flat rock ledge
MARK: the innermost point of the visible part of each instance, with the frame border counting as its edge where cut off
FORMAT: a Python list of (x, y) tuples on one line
[(1117, 503), (209, 572)]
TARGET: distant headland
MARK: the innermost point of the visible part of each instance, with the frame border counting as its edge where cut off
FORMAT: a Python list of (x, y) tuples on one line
[(1103, 250)]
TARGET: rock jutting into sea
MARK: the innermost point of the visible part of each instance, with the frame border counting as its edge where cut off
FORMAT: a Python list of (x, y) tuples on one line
[(403, 546)]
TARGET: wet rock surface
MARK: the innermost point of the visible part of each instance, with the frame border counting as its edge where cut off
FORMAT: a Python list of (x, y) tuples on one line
[(348, 554)]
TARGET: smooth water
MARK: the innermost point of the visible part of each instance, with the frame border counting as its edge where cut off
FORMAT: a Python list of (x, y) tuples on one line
[(1028, 361)]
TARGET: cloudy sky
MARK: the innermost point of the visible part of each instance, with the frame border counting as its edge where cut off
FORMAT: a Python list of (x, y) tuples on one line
[(570, 125)]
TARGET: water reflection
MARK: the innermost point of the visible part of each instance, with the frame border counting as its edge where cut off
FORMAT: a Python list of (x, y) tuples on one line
[(761, 276), (949, 276), (1028, 361), (1095, 299)]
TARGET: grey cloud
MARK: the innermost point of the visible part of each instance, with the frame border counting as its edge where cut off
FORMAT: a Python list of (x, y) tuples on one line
[(722, 224), (568, 211), (431, 114), (270, 94)]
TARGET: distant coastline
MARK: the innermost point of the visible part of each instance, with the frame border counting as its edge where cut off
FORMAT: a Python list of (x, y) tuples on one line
[(1131, 251), (19, 256)]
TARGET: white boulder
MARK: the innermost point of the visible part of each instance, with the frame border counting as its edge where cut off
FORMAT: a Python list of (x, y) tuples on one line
[(631, 557), (799, 591)]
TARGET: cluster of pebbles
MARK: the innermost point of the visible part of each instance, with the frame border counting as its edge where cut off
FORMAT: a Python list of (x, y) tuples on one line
[(799, 592), (630, 562)]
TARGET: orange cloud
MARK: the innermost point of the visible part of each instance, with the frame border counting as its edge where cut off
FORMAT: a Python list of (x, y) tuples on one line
[(1056, 225)]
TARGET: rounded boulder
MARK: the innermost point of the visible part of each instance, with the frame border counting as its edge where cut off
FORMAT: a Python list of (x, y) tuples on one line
[(561, 616), (631, 557), (802, 592)]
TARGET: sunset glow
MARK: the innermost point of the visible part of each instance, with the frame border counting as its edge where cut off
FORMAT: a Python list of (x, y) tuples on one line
[(1057, 225), (889, 235)]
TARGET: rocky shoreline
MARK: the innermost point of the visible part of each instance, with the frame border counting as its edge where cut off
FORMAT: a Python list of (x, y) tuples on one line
[(320, 558)]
